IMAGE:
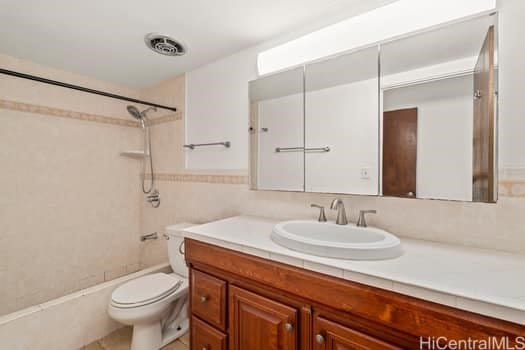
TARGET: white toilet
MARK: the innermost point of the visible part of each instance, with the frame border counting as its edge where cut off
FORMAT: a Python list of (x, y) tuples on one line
[(155, 305)]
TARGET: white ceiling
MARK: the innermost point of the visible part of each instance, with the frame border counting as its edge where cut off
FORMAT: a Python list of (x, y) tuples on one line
[(104, 38)]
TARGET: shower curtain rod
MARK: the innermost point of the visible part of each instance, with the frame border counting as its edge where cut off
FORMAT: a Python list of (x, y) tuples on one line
[(83, 89)]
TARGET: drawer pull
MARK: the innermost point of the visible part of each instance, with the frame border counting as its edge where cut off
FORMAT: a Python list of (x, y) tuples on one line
[(204, 299), (288, 327), (205, 347), (319, 339)]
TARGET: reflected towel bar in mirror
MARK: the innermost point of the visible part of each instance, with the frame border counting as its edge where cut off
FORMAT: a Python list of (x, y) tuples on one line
[(226, 144), (295, 149)]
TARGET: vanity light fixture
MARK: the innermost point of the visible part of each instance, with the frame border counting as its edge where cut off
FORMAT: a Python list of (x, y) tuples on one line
[(384, 23)]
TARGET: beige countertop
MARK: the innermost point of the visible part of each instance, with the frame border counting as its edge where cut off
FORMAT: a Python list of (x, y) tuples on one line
[(483, 281)]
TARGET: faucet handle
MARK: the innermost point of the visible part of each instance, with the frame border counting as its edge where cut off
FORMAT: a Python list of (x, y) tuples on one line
[(322, 215), (361, 221)]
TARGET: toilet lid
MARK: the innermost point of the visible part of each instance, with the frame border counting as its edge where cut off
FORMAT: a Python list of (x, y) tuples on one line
[(146, 289)]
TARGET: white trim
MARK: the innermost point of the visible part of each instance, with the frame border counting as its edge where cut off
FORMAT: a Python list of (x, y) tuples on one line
[(457, 68)]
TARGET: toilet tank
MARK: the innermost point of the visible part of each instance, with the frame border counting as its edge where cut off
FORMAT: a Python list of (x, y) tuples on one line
[(177, 262)]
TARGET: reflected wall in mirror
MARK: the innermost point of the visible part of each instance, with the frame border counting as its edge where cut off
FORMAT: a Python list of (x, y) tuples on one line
[(438, 91), (277, 132), (341, 124)]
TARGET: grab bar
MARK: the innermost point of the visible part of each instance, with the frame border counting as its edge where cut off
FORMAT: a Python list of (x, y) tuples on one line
[(288, 149), (294, 149), (226, 144), (318, 149)]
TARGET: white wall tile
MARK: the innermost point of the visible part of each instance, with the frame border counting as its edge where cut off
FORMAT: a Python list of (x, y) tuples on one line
[(327, 270), (257, 252), (491, 310), (286, 259), (426, 294), (368, 280)]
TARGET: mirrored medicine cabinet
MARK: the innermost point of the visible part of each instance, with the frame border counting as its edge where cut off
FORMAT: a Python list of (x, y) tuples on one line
[(414, 118)]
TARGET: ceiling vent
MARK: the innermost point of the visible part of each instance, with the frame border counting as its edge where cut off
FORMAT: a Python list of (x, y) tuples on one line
[(164, 44)]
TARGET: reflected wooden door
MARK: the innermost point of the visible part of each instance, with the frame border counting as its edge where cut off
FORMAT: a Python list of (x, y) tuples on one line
[(483, 152), (400, 153)]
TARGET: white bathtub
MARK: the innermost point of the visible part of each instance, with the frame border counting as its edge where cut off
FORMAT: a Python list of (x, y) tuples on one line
[(68, 322)]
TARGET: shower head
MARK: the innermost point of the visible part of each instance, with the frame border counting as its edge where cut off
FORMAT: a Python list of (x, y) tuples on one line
[(141, 116), (154, 109), (135, 113)]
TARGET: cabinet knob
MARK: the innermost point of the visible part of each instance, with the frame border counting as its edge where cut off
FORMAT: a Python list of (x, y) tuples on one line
[(205, 347), (319, 339), (288, 327), (204, 299)]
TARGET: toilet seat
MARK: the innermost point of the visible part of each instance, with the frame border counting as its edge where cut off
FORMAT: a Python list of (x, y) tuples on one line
[(146, 290)]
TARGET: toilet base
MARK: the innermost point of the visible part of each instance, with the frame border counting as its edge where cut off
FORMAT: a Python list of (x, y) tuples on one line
[(147, 336), (151, 336), (171, 334)]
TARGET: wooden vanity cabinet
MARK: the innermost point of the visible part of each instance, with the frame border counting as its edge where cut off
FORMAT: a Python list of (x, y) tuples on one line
[(243, 302)]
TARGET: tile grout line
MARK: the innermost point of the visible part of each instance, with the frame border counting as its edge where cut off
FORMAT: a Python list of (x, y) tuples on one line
[(82, 116)]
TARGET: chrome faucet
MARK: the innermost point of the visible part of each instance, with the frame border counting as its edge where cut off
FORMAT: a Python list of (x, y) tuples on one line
[(337, 204), (149, 236)]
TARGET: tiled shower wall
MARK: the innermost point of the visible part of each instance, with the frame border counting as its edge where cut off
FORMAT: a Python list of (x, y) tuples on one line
[(69, 204)]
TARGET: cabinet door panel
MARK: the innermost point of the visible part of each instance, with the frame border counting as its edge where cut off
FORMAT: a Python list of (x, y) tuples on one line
[(334, 336), (258, 323), (208, 298)]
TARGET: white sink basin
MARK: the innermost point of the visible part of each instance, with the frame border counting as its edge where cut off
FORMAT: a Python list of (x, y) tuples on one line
[(337, 241)]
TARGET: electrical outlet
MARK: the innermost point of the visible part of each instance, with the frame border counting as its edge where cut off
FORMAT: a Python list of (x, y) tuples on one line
[(365, 174)]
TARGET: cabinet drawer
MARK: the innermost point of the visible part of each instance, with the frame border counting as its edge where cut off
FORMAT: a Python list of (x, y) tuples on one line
[(208, 298), (205, 337), (332, 336)]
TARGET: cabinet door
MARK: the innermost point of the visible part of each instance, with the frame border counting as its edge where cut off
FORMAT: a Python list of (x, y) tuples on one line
[(333, 336), (208, 298), (258, 323)]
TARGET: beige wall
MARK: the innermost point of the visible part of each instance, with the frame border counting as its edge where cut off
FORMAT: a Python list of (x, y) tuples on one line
[(492, 226), (201, 199), (69, 204)]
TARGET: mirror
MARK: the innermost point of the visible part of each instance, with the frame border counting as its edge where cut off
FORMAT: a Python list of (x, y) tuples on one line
[(413, 118), (277, 132), (341, 124), (439, 105)]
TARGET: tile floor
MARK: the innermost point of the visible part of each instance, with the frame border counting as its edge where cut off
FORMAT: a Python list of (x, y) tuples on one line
[(121, 339)]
